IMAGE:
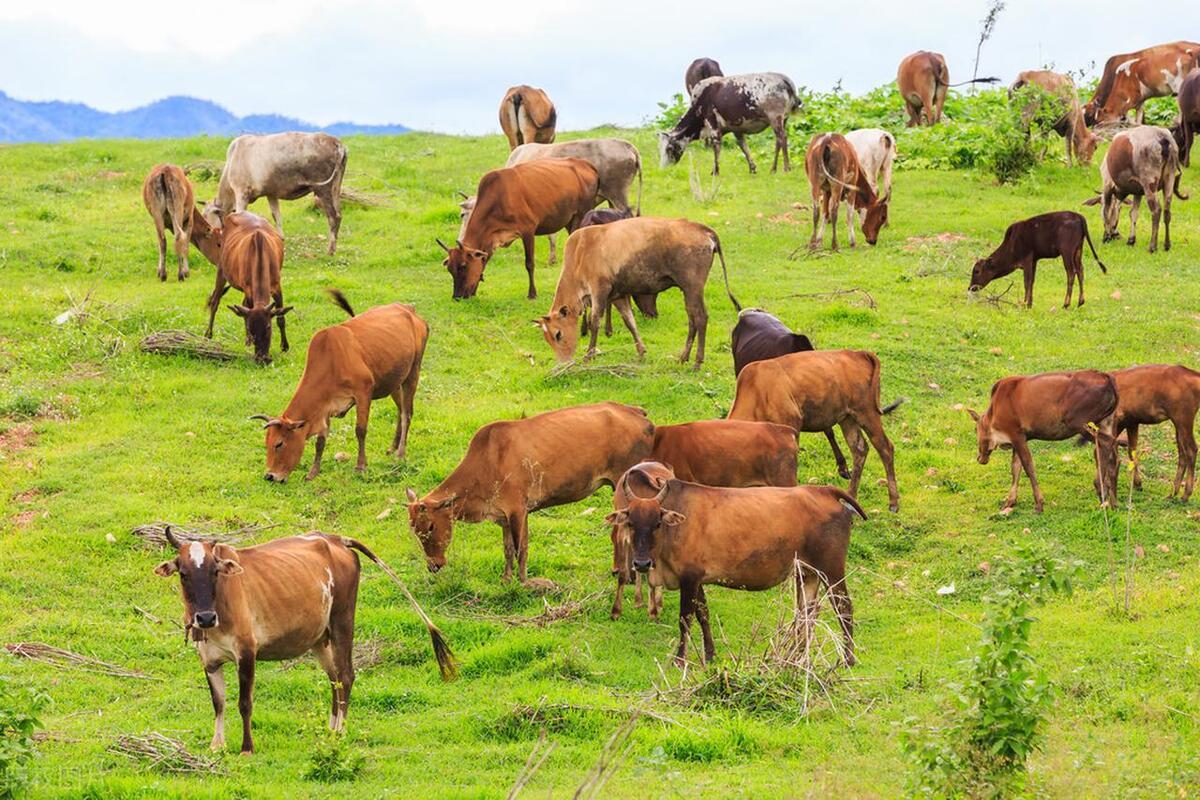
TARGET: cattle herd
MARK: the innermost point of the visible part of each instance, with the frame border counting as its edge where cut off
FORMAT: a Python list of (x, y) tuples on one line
[(711, 502)]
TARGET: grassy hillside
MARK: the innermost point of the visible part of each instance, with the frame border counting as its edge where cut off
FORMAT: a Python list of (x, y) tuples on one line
[(97, 437)]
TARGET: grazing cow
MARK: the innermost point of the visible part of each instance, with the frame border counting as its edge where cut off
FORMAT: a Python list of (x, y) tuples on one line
[(369, 356), (1140, 162), (519, 202), (1189, 116), (284, 166), (527, 116), (758, 336), (814, 391), (1130, 79), (737, 104), (698, 70), (749, 539), (645, 255), (513, 467), (713, 452), (251, 258), (1081, 143), (646, 303), (1052, 406), (876, 150), (169, 198), (833, 170), (1149, 395), (1059, 233), (923, 79), (270, 602)]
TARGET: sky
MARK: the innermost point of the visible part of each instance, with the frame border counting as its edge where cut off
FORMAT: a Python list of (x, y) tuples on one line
[(443, 65)]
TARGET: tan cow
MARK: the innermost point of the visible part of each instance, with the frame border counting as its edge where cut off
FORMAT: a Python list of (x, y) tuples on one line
[(643, 255), (923, 79), (1080, 142), (369, 356), (815, 390), (527, 115), (1130, 79), (834, 172), (1140, 162), (516, 466), (170, 199)]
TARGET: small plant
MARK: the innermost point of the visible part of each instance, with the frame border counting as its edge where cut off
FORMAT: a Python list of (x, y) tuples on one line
[(985, 30), (333, 760), (19, 712), (670, 112), (994, 719)]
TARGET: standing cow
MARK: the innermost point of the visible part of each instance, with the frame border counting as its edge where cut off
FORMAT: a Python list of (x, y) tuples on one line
[(737, 104), (284, 166), (1130, 79), (923, 79), (527, 115), (834, 172), (171, 201), (1080, 142), (1189, 116), (698, 70), (1141, 162)]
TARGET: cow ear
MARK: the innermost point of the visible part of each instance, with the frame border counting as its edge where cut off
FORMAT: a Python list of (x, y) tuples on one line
[(167, 568), (281, 311), (617, 518), (410, 494), (291, 426), (670, 517), (227, 566), (445, 503), (1092, 201), (974, 414)]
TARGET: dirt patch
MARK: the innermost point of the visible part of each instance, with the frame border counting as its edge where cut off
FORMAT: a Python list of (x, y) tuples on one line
[(918, 242), (109, 175), (26, 497), (17, 438), (786, 218), (83, 371), (24, 519)]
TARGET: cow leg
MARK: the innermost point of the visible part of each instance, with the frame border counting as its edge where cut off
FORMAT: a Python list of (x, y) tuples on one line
[(626, 312), (619, 596), (316, 465), (833, 206), (653, 600), (214, 301), (1155, 215), (1133, 215), (1131, 434), (741, 140), (273, 202), (608, 321), (837, 454), (710, 648), (620, 570), (527, 241), (839, 598), (332, 206), (873, 426), (281, 321), (715, 144), (1021, 450), (509, 550), (216, 689), (362, 413), (162, 248), (850, 223), (701, 325), (409, 391), (1078, 273), (1185, 443), (520, 533), (914, 114), (1011, 500), (183, 240), (779, 128), (1166, 206), (818, 223), (245, 666), (599, 309), (341, 645), (324, 654), (553, 239), (808, 602), (858, 451), (1070, 269), (247, 302), (687, 607)]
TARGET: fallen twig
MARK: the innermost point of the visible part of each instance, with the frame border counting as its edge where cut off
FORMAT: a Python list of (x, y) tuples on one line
[(615, 750), (154, 535), (531, 765), (356, 197), (868, 300), (157, 752), (994, 298), (549, 615), (65, 659), (174, 342), (580, 368)]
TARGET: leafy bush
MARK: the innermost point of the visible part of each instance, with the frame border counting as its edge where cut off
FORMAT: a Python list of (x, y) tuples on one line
[(18, 720), (993, 720), (670, 112), (333, 760)]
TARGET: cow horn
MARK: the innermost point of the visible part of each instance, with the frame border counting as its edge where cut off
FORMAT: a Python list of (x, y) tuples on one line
[(462, 194), (442, 245), (662, 493), (171, 540), (263, 417)]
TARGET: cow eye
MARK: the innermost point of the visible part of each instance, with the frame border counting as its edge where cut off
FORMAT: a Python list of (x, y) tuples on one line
[(279, 444), (558, 336)]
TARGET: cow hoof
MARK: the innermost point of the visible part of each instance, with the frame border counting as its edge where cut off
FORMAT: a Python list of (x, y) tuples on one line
[(851, 660), (1131, 241), (894, 508), (844, 473), (162, 276), (615, 615)]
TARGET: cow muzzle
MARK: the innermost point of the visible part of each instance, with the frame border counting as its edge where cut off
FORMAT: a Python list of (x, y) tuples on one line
[(271, 477), (643, 566), (205, 619)]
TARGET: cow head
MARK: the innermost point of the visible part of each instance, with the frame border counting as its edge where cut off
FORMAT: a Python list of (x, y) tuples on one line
[(1085, 146), (285, 445), (984, 434), (465, 265), (561, 330), (213, 214), (651, 475), (645, 518), (432, 521), (258, 327), (670, 149), (981, 274), (200, 566), (1089, 113), (874, 220)]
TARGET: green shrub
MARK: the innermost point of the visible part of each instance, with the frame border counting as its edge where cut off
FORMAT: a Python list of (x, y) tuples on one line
[(333, 760), (18, 720)]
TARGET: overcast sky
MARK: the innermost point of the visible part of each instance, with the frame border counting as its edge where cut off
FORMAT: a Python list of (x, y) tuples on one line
[(444, 64)]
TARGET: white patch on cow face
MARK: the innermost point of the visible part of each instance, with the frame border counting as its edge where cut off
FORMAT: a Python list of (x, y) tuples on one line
[(196, 553)]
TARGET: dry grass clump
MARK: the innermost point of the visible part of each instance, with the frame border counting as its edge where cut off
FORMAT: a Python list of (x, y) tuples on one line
[(154, 534), (65, 659), (176, 342), (154, 752)]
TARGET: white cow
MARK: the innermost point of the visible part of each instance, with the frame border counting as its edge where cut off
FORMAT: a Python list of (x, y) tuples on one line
[(876, 150)]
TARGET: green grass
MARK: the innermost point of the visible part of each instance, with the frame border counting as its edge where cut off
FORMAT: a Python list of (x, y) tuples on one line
[(98, 437)]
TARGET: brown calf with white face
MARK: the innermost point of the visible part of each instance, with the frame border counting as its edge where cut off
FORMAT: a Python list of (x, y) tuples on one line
[(748, 539), (810, 392), (1080, 142), (251, 260), (712, 452), (516, 466), (523, 202), (527, 116), (1130, 79), (1052, 406), (1152, 394), (1141, 162), (1059, 233), (271, 602), (373, 355), (834, 173), (170, 199)]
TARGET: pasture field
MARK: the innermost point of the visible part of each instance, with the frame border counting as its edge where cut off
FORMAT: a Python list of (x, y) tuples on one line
[(97, 437)]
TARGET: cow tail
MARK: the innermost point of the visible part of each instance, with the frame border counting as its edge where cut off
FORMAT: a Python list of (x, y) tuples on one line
[(338, 168), (876, 389), (441, 648), (848, 502), (716, 243), (516, 112), (1088, 238), (1178, 178), (340, 301)]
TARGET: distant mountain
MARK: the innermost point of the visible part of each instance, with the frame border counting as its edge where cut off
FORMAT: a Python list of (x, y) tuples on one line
[(171, 117)]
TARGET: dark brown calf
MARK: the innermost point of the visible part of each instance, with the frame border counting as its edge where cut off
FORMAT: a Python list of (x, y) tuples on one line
[(1052, 407), (1189, 116), (1059, 233)]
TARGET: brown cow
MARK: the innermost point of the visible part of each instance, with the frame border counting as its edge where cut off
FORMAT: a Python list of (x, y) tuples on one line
[(608, 263), (698, 70), (369, 356), (527, 116), (749, 539), (1052, 406), (1189, 116), (170, 199), (1081, 143), (1140, 162), (251, 258), (833, 169), (813, 391), (923, 79), (270, 602), (1130, 79), (1149, 395), (520, 202), (513, 467), (1059, 233), (713, 452)]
